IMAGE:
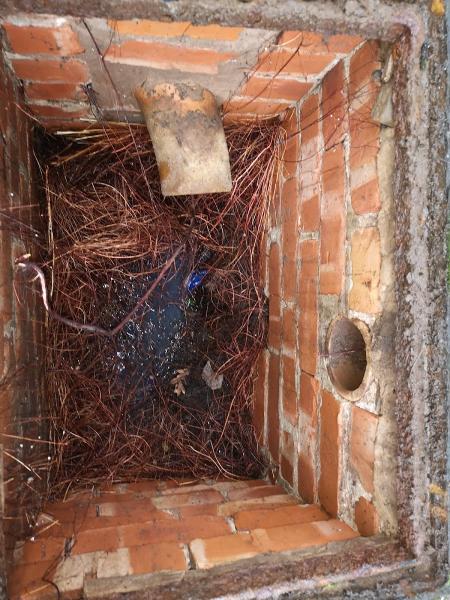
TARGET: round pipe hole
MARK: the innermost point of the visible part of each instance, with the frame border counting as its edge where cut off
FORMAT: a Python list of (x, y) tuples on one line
[(347, 348)]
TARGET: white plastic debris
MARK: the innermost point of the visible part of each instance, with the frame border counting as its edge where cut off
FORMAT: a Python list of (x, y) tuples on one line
[(212, 379)]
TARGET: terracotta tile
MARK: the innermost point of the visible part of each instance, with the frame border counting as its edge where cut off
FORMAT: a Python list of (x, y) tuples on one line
[(366, 517), (286, 515), (157, 557), (362, 445), (329, 453)]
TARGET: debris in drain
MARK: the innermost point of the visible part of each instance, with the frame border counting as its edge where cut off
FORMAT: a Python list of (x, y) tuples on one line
[(212, 379), (176, 284)]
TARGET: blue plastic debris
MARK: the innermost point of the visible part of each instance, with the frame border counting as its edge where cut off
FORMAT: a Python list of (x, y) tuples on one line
[(195, 279)]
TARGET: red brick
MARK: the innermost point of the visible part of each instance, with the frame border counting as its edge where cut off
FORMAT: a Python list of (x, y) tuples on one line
[(42, 549), (274, 271), (188, 488), (290, 277), (308, 321), (255, 492), (290, 230), (364, 139), (362, 87), (259, 392), (58, 111), (289, 390), (286, 515), (289, 329), (366, 198), (310, 118), (291, 155), (182, 531), (275, 88), (329, 453), (199, 509), (307, 42), (165, 56), (224, 549), (306, 478), (362, 445), (268, 502), (157, 557), (25, 39), (334, 106), (54, 91), (273, 398), (27, 580), (293, 537), (274, 336), (145, 27), (258, 107), (364, 295), (366, 517), (65, 71), (309, 387), (287, 470), (284, 61), (174, 501), (332, 248)]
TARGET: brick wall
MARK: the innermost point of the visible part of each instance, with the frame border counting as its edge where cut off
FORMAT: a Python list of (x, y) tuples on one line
[(327, 249), (324, 251), (21, 336)]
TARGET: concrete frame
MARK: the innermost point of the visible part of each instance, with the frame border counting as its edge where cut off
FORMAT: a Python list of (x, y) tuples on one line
[(417, 560)]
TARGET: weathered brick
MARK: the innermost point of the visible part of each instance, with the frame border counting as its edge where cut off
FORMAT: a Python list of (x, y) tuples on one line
[(176, 500), (49, 110), (254, 107), (332, 248), (68, 71), (145, 28), (362, 445), (366, 517), (276, 501), (289, 329), (308, 321), (291, 155), (289, 389), (364, 138), (309, 387), (156, 557), (307, 42), (306, 478), (259, 393), (275, 517), (293, 537), (277, 88), (262, 491), (224, 549), (287, 469), (366, 198), (362, 86), (334, 106), (364, 295), (273, 399), (285, 61), (166, 56), (54, 91), (29, 39), (329, 453)]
